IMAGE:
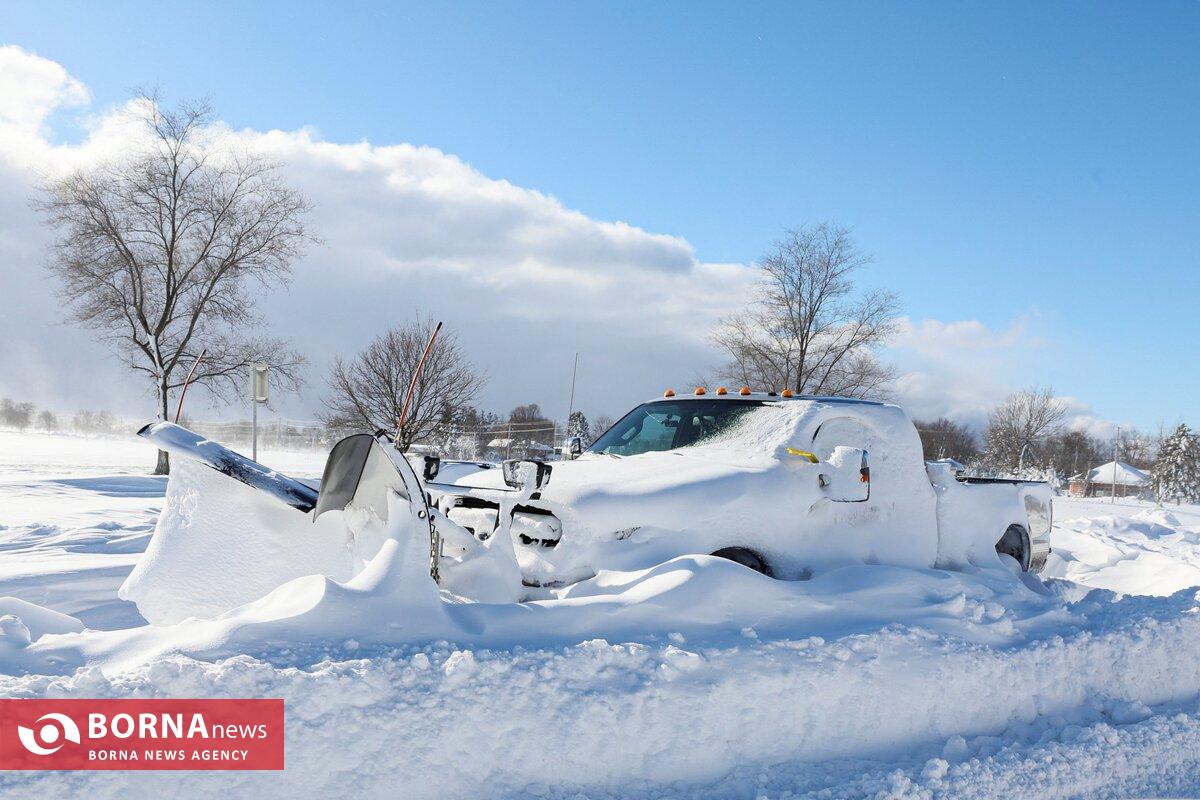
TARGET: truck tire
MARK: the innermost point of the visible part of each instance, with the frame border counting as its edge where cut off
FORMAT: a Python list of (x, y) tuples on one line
[(1015, 543), (746, 557)]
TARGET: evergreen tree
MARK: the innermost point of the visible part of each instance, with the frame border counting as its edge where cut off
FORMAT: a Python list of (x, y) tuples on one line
[(1176, 473), (577, 425)]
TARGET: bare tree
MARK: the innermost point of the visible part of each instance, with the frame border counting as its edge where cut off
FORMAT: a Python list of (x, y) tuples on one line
[(1071, 452), (158, 249), (944, 438), (808, 328), (529, 428), (1137, 449), (17, 415), (367, 392), (600, 425), (1025, 419)]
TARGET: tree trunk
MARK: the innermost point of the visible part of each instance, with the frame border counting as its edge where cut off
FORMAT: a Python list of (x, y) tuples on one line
[(163, 467)]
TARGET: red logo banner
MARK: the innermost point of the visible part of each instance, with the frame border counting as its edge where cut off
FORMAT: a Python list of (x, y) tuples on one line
[(141, 734)]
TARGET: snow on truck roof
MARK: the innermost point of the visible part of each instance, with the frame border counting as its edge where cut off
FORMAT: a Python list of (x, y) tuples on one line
[(773, 433), (721, 393)]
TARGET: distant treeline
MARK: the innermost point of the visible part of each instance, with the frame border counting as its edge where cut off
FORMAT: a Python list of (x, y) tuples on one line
[(1026, 435), (27, 416)]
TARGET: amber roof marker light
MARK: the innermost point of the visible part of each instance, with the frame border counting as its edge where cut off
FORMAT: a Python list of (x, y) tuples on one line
[(745, 390), (669, 393), (722, 390), (786, 393), (700, 390)]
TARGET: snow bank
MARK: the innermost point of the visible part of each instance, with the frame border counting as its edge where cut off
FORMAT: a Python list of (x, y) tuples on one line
[(23, 623), (38, 620), (674, 716), (393, 602), (1131, 548), (219, 544)]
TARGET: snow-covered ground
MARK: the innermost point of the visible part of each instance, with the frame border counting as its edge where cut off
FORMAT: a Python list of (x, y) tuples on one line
[(691, 678), (1126, 545)]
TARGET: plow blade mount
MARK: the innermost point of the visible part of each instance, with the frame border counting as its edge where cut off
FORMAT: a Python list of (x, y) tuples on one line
[(179, 441)]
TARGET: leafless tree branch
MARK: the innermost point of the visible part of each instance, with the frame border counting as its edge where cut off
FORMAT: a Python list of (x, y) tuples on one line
[(808, 329), (157, 251), (1027, 418), (367, 392)]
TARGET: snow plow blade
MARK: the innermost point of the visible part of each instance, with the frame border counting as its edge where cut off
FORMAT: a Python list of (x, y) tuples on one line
[(177, 440), (360, 471)]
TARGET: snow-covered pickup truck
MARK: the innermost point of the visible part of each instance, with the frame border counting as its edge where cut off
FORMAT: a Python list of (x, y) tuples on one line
[(784, 485)]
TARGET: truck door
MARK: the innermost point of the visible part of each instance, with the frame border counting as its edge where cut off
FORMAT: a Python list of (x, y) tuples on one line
[(831, 444)]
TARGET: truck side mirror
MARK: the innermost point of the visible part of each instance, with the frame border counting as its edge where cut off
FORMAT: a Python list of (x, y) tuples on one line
[(433, 465), (573, 448), (846, 476), (519, 474)]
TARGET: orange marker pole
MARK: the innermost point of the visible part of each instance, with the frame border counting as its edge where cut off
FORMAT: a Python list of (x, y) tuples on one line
[(186, 382), (412, 386)]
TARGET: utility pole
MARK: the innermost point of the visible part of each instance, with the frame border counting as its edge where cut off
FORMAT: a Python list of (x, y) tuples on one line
[(571, 406), (1116, 445)]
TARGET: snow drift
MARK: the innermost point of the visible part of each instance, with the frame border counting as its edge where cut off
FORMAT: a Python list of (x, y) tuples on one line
[(219, 544), (675, 716)]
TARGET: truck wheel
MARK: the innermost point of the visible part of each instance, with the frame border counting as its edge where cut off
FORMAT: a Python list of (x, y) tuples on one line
[(1015, 543), (745, 557)]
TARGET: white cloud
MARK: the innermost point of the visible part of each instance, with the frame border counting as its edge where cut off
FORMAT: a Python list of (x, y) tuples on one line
[(523, 279), (961, 369), (957, 369), (31, 89)]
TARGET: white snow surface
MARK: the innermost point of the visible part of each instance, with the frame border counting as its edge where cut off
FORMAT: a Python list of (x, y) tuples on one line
[(1126, 545), (692, 677)]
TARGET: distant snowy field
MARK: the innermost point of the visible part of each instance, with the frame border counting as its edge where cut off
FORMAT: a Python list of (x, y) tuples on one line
[(868, 681)]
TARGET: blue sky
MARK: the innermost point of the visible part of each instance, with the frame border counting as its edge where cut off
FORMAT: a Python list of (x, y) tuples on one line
[(1035, 164)]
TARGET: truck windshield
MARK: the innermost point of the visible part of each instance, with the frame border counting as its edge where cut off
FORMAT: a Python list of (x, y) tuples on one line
[(671, 424)]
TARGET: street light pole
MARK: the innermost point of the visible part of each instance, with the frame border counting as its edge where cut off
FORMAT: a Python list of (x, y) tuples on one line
[(258, 394)]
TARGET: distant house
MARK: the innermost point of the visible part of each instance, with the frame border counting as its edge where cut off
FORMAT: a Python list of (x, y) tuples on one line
[(497, 449), (1115, 477)]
